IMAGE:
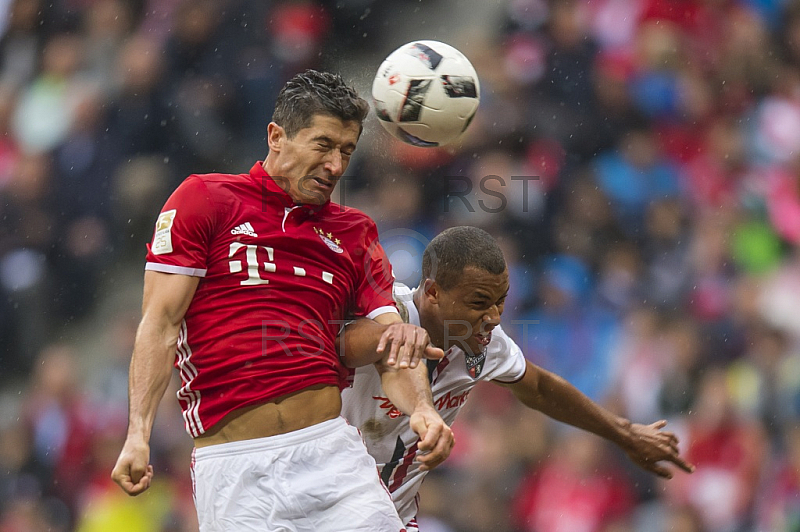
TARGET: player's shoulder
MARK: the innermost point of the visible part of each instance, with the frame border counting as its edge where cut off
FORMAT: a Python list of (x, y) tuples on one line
[(214, 180), (401, 291), (350, 215), (403, 297), (501, 342), (220, 189)]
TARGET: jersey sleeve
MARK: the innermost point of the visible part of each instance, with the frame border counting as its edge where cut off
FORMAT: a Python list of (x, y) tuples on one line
[(183, 231), (511, 363), (374, 293)]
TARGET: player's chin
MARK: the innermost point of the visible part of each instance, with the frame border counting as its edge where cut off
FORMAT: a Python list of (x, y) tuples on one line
[(317, 196), (473, 346)]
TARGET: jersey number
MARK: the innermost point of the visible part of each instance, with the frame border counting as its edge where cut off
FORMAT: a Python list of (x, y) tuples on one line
[(254, 268)]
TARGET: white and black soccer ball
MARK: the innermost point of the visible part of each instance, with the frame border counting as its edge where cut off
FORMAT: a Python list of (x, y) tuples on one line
[(426, 93)]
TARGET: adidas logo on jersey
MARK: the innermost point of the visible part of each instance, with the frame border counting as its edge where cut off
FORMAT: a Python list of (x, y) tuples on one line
[(244, 229)]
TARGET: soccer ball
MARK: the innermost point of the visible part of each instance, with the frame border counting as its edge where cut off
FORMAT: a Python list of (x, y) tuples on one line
[(426, 93)]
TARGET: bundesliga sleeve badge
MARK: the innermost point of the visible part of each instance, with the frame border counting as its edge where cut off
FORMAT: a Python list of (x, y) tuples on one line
[(162, 241)]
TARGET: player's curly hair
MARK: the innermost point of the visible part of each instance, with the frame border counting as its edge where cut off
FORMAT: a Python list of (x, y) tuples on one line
[(311, 93), (454, 249)]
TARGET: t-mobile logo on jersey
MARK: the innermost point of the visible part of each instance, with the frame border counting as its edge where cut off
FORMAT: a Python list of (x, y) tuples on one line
[(255, 268)]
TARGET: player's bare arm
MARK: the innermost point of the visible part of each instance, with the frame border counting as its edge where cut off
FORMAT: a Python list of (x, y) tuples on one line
[(166, 299), (409, 391), (366, 341), (648, 446)]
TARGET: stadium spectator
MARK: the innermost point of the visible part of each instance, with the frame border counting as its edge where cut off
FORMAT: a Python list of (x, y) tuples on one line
[(711, 86)]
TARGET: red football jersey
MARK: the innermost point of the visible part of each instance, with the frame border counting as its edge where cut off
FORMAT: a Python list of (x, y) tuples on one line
[(277, 279)]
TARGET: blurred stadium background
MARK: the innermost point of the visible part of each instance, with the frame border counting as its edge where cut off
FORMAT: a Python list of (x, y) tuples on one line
[(655, 254)]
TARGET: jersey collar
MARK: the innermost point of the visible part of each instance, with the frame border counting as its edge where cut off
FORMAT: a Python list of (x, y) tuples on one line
[(413, 312), (276, 193)]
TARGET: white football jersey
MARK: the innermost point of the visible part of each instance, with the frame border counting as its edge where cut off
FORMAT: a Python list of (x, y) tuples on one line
[(385, 429)]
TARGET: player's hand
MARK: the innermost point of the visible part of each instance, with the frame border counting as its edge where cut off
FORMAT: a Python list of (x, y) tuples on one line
[(405, 345), (649, 446), (435, 438), (132, 471)]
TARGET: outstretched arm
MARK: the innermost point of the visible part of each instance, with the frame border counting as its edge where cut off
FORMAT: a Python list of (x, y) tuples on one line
[(645, 445), (166, 299)]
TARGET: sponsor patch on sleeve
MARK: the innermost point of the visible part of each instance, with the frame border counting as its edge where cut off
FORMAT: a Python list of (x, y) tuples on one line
[(162, 241)]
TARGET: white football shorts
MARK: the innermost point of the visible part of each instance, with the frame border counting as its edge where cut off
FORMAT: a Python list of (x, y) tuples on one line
[(319, 478)]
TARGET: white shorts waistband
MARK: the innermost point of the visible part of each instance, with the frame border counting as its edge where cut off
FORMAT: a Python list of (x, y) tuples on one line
[(295, 437)]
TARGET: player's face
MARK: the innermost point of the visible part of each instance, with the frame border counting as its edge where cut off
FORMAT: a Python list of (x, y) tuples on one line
[(311, 163), (470, 310)]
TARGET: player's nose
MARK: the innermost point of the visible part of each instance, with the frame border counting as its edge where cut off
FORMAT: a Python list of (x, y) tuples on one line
[(335, 163), (492, 317)]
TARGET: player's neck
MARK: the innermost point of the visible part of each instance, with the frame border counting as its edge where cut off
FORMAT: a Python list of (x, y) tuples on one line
[(267, 165), (426, 320)]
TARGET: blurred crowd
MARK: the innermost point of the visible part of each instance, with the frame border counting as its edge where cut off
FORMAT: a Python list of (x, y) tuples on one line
[(639, 161)]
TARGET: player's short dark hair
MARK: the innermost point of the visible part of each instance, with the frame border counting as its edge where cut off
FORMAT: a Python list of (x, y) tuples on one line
[(454, 249), (311, 93)]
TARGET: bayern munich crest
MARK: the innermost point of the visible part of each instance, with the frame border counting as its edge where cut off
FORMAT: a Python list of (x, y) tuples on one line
[(332, 243)]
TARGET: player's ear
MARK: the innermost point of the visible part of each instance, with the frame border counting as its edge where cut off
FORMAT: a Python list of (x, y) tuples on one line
[(275, 137), (431, 291)]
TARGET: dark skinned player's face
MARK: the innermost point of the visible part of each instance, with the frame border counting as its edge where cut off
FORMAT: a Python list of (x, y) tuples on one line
[(467, 312)]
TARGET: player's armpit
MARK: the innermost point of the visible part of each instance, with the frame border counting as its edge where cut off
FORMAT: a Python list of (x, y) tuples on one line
[(526, 389)]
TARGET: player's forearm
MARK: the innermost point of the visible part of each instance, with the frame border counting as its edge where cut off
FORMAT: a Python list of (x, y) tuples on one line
[(150, 372), (555, 397), (407, 389), (358, 343)]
